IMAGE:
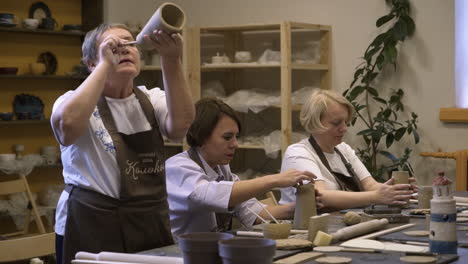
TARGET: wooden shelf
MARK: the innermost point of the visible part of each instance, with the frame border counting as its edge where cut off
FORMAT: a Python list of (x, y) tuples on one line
[(261, 27), (251, 146), (50, 77), (294, 66), (24, 122), (453, 115), (42, 31)]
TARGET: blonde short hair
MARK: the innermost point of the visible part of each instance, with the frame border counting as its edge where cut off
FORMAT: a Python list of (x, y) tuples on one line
[(316, 106)]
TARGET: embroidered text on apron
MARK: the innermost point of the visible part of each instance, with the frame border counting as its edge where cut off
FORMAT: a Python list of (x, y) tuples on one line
[(223, 220), (139, 220), (345, 183)]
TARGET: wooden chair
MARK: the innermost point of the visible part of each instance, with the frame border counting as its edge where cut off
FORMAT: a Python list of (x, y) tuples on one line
[(23, 245), (23, 248), (461, 158)]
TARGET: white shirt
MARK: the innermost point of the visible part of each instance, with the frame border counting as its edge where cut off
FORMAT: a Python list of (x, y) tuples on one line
[(302, 156), (91, 161), (195, 196)]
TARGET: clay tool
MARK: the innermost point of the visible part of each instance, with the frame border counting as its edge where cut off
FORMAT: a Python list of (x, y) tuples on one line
[(268, 212), (123, 257), (257, 215), (128, 43)]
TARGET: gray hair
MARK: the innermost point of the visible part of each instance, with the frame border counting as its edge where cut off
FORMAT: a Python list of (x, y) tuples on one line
[(316, 106), (89, 47)]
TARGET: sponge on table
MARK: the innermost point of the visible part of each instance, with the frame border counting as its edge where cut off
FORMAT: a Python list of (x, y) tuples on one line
[(322, 239)]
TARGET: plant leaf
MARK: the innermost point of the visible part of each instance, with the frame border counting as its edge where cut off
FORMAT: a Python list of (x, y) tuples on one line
[(384, 20), (416, 136), (389, 139), (372, 91), (380, 100), (388, 155), (400, 132)]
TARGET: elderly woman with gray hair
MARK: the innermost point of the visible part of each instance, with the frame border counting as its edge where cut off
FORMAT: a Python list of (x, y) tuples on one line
[(110, 134), (342, 178)]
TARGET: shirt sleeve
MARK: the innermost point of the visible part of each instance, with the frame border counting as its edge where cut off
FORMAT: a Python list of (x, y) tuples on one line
[(158, 100), (189, 188), (246, 217), (60, 100)]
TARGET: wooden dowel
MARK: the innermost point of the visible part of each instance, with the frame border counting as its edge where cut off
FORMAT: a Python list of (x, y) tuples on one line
[(386, 231)]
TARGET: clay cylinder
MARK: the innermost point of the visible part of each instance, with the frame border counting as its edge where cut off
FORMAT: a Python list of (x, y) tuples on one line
[(443, 228), (424, 197), (201, 247), (169, 17), (401, 177), (247, 251), (305, 206)]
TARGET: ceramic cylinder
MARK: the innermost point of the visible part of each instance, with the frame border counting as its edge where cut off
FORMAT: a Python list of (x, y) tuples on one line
[(305, 206), (401, 177), (424, 197), (443, 228), (169, 17)]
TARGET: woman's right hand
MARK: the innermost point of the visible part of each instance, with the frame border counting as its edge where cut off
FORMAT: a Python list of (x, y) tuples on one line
[(109, 51), (292, 177), (393, 194)]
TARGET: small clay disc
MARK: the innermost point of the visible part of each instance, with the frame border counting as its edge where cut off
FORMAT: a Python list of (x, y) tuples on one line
[(328, 249), (417, 233), (334, 260), (418, 259)]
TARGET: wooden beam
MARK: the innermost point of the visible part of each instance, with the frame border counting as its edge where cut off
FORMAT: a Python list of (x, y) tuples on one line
[(454, 115)]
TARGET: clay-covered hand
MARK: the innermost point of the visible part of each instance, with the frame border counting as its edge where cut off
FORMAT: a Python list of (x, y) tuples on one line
[(167, 45), (390, 193), (109, 51), (292, 177)]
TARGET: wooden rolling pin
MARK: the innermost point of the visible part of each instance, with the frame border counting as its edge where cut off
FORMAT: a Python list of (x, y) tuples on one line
[(359, 229), (124, 257)]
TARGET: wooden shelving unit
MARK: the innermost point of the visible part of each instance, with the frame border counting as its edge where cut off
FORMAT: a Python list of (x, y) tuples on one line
[(234, 39)]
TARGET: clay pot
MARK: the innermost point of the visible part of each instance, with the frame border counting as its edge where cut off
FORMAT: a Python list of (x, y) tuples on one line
[(276, 231), (201, 247), (247, 251)]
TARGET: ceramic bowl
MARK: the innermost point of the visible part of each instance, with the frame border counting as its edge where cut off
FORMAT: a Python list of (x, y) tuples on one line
[(6, 116), (242, 56), (277, 231), (30, 23)]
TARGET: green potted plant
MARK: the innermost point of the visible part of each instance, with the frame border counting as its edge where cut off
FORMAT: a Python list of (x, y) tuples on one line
[(381, 111)]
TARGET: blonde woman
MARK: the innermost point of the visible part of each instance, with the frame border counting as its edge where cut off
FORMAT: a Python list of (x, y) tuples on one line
[(342, 178)]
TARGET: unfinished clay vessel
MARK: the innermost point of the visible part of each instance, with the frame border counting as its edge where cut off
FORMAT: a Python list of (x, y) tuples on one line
[(169, 17), (277, 231), (424, 197), (305, 206), (201, 247), (247, 251)]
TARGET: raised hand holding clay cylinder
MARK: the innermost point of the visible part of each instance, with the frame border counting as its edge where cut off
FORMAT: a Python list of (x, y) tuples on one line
[(169, 18), (305, 206)]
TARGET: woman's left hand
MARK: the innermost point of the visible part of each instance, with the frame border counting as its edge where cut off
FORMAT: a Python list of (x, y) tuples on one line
[(167, 45)]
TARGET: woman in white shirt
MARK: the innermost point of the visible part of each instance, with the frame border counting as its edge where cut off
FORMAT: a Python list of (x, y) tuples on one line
[(342, 179), (203, 194)]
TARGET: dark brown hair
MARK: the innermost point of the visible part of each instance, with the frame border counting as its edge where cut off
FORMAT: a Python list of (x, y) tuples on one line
[(208, 113)]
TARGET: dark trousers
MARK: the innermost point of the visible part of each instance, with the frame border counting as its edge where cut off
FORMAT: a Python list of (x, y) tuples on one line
[(59, 248)]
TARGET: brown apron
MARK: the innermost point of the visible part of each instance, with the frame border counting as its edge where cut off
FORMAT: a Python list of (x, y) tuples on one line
[(345, 183), (223, 220), (139, 220)]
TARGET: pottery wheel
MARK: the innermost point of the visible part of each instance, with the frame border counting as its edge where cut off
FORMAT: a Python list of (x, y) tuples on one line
[(417, 233), (418, 259), (334, 260), (292, 243), (328, 249)]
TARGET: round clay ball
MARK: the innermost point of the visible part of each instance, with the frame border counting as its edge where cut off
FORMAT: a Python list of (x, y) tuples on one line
[(351, 218)]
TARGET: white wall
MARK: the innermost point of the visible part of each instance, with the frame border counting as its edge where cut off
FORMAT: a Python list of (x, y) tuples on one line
[(426, 64)]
